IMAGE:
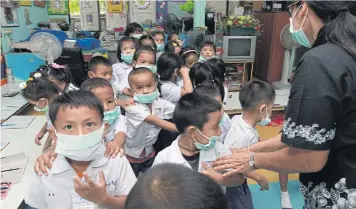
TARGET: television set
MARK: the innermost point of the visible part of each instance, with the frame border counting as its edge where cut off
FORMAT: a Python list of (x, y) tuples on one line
[(239, 48)]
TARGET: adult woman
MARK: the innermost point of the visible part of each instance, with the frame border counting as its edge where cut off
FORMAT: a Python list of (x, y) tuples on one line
[(319, 135)]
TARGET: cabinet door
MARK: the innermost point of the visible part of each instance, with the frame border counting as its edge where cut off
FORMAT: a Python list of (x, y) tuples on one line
[(22, 64)]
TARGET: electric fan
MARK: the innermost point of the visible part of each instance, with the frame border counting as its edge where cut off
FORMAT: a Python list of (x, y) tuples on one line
[(289, 55), (172, 24), (45, 46), (196, 36)]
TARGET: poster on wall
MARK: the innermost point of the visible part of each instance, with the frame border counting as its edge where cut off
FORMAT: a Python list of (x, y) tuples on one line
[(9, 17), (89, 15), (115, 6), (161, 10), (141, 4), (58, 7), (39, 3), (25, 3)]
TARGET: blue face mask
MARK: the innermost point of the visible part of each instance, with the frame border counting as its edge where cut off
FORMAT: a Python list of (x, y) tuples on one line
[(299, 35), (265, 120), (146, 98), (111, 115), (127, 58), (160, 47), (210, 145), (150, 67), (45, 109), (202, 58)]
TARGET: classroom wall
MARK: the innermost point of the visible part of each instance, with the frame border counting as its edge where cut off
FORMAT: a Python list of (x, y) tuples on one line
[(22, 32)]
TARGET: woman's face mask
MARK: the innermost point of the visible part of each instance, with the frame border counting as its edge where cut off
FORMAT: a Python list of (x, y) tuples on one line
[(299, 35)]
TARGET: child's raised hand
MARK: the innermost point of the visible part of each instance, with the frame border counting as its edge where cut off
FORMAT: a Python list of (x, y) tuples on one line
[(90, 190), (113, 149), (44, 161), (38, 137), (184, 71), (263, 182)]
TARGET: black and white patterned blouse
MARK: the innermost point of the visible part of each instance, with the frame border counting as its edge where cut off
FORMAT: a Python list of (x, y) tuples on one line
[(321, 115)]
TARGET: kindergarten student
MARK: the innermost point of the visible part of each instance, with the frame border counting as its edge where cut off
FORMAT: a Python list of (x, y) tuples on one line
[(60, 75), (256, 98), (175, 37), (207, 51), (174, 77), (125, 53), (80, 177), (147, 40), (134, 30), (158, 37), (216, 90), (197, 118), (145, 56), (145, 119), (219, 69), (189, 56), (40, 91), (201, 72), (116, 136), (173, 46)]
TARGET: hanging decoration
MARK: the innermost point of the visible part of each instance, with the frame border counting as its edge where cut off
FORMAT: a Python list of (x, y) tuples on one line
[(141, 4), (58, 7), (115, 6)]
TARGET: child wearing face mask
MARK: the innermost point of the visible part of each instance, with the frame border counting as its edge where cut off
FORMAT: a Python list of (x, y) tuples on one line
[(39, 91), (256, 98), (145, 56), (81, 176), (116, 135), (145, 119), (158, 37), (207, 51), (125, 53), (134, 30), (147, 40), (173, 46), (174, 77), (189, 56), (197, 118)]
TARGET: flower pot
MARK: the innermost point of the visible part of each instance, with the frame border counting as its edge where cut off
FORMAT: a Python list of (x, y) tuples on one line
[(233, 31)]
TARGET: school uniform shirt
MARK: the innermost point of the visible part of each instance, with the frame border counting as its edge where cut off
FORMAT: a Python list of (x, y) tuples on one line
[(171, 91), (321, 116), (225, 127), (120, 73), (140, 134), (56, 191), (240, 134), (118, 126)]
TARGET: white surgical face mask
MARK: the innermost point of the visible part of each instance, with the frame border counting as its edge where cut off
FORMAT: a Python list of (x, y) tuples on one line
[(81, 147)]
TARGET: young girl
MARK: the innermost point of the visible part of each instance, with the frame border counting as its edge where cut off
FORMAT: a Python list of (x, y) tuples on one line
[(201, 72), (147, 40), (158, 36), (39, 91), (125, 52), (145, 56), (172, 46), (60, 75), (175, 37), (189, 56), (134, 30), (219, 69), (174, 77)]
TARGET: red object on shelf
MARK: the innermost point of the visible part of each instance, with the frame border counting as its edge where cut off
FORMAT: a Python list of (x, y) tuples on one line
[(277, 120)]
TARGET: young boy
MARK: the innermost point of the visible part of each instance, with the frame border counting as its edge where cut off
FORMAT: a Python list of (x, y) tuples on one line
[(145, 119), (78, 128), (256, 98), (116, 136), (207, 51), (197, 118)]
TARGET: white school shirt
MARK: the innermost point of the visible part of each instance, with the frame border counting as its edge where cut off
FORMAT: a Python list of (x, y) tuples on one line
[(121, 73), (118, 126), (54, 191), (171, 91), (240, 134), (140, 134), (225, 127)]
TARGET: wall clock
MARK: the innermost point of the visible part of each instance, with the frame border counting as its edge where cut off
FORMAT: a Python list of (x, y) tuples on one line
[(141, 4)]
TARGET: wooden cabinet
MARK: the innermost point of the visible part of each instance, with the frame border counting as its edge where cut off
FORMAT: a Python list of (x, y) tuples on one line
[(269, 50)]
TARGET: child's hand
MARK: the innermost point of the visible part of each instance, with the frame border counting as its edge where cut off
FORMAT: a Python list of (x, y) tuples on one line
[(90, 190), (128, 92), (125, 104), (263, 182), (44, 161), (113, 149), (38, 137), (184, 71)]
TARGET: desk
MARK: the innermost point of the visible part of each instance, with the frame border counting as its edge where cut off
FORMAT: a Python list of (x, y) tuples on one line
[(22, 141), (233, 105), (11, 105)]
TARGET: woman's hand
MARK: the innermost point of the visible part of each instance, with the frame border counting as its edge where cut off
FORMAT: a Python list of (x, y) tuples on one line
[(237, 162)]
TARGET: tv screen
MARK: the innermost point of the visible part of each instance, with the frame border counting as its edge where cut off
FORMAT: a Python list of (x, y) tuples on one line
[(239, 47)]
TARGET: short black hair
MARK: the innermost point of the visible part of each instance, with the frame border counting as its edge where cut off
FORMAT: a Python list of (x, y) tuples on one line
[(192, 110), (144, 37), (132, 27), (253, 93), (144, 49), (75, 99), (201, 72), (120, 43), (212, 89), (170, 46), (173, 186), (157, 33), (98, 60), (140, 70), (60, 73), (37, 88), (167, 63), (219, 68), (208, 43), (93, 83)]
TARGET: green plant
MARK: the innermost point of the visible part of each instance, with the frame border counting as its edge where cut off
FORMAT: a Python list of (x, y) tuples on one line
[(244, 21), (188, 6)]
